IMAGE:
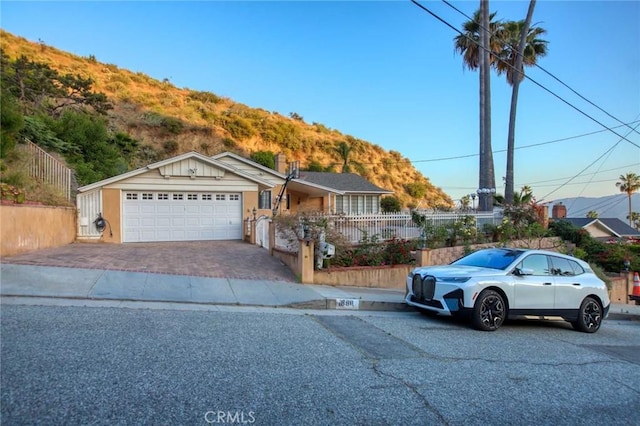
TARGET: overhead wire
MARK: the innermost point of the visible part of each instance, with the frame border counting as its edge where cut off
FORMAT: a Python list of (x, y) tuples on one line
[(591, 164), (549, 73), (524, 75)]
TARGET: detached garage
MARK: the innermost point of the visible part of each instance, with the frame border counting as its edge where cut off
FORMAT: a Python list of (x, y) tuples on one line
[(190, 197)]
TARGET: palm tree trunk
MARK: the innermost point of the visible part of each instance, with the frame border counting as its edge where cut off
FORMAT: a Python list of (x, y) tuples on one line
[(487, 174), (630, 221), (509, 189)]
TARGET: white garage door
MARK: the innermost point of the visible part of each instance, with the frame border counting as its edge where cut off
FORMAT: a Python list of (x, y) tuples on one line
[(181, 216)]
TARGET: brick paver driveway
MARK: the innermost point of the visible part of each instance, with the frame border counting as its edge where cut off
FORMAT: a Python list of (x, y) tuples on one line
[(218, 259)]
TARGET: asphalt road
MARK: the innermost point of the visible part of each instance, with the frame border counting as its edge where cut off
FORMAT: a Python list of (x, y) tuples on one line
[(80, 365)]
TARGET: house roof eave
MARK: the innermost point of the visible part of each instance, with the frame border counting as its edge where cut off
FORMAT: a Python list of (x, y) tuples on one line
[(154, 166)]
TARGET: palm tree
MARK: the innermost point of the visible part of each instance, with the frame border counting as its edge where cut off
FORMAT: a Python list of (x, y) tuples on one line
[(629, 183), (592, 214), (518, 37), (344, 150), (468, 45)]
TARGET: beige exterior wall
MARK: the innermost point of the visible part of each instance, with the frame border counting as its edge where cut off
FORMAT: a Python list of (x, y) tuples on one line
[(621, 288), (253, 171), (312, 204), (598, 232), (25, 228), (154, 181), (111, 202), (394, 277)]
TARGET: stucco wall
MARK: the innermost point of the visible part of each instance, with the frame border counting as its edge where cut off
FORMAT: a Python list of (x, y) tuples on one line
[(374, 277), (25, 228), (621, 288), (446, 255), (111, 203)]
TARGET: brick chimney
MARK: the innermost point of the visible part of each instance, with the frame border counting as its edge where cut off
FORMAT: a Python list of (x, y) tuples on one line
[(559, 211), (281, 163)]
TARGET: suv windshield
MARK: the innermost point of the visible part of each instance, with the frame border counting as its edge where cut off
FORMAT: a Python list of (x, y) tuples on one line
[(490, 258)]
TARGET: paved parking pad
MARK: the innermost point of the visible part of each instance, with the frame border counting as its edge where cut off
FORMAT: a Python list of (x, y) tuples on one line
[(214, 259)]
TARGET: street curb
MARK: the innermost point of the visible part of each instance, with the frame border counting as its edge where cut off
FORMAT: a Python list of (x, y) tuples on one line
[(363, 305)]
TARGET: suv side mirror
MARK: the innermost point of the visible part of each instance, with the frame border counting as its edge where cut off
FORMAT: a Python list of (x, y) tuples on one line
[(522, 271)]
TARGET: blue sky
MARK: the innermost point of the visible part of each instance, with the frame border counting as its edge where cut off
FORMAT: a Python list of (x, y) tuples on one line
[(385, 72)]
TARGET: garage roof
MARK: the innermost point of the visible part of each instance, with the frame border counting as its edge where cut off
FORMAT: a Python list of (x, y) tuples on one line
[(189, 155)]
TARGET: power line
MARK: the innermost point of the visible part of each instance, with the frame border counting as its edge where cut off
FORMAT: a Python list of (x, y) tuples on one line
[(601, 171), (579, 173), (526, 76), (539, 67), (518, 147)]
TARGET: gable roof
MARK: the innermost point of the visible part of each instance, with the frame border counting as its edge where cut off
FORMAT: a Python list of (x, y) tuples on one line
[(188, 155), (248, 162), (615, 226), (344, 182), (310, 188), (619, 227)]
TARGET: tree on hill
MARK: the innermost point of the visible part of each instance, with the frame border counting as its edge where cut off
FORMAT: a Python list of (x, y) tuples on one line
[(11, 123), (266, 158), (40, 88)]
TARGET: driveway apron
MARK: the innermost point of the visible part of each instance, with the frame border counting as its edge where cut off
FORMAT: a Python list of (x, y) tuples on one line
[(214, 259)]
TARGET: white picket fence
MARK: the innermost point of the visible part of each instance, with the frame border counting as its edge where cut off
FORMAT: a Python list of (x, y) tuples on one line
[(384, 226), (48, 169)]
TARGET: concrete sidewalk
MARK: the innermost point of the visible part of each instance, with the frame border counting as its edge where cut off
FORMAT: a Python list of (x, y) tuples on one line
[(109, 285), (98, 284)]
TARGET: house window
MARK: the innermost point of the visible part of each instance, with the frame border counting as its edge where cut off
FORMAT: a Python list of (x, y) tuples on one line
[(234, 197), (340, 204), (371, 204), (147, 196), (178, 196), (192, 196), (265, 200), (206, 197), (132, 196), (220, 197), (163, 196)]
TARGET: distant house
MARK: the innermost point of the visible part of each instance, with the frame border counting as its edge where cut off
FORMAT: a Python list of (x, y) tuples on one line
[(603, 228), (195, 197)]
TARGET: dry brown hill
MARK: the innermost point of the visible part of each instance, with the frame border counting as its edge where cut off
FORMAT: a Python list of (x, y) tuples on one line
[(169, 120)]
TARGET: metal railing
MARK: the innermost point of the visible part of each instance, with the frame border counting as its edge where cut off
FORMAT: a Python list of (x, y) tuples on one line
[(47, 169)]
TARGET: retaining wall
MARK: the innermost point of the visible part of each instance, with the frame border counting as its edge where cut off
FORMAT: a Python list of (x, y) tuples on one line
[(25, 227)]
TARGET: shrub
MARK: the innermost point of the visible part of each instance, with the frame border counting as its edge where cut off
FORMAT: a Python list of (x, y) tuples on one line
[(390, 204), (170, 147), (206, 97), (266, 158)]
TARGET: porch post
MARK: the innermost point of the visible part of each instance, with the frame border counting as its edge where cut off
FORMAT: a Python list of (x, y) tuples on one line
[(423, 257), (305, 261)]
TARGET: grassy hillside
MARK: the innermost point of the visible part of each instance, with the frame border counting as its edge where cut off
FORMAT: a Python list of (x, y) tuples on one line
[(167, 120)]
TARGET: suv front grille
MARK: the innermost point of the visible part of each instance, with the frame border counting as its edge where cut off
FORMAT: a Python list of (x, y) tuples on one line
[(423, 288)]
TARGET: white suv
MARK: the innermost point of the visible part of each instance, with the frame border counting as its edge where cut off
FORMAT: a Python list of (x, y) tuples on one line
[(492, 285)]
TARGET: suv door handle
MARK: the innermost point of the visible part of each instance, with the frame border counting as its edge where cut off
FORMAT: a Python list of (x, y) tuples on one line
[(546, 283), (576, 284)]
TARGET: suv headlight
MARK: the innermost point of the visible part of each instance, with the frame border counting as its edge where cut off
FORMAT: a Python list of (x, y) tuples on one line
[(456, 280)]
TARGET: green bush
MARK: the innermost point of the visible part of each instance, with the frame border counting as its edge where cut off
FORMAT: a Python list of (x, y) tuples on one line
[(206, 97), (266, 158), (390, 204)]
